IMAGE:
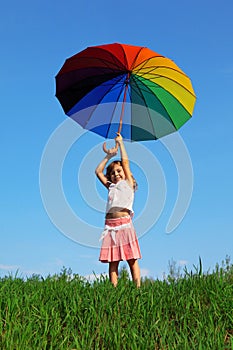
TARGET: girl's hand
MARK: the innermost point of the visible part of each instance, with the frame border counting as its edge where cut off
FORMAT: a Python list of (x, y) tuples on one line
[(118, 138)]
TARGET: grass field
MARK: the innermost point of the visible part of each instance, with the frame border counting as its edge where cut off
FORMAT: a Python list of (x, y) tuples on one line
[(192, 310)]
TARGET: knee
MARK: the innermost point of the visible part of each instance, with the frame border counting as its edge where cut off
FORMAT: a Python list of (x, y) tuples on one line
[(113, 266), (132, 262)]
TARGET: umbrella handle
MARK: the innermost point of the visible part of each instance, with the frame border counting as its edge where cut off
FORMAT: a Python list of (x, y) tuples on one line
[(111, 150)]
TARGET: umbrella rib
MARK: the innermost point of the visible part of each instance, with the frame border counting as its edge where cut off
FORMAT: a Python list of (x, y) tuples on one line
[(107, 64), (101, 99), (170, 93), (142, 63), (163, 76), (141, 95), (117, 100), (164, 105), (113, 58), (160, 75), (135, 58), (118, 63), (126, 61)]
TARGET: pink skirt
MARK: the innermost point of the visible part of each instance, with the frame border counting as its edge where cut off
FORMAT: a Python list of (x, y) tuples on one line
[(119, 240)]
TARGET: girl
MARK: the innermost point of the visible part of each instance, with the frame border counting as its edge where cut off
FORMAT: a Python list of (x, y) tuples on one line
[(119, 237)]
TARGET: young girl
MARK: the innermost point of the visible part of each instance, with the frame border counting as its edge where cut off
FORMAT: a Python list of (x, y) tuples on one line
[(119, 237)]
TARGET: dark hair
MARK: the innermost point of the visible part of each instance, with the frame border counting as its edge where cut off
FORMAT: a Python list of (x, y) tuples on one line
[(110, 168)]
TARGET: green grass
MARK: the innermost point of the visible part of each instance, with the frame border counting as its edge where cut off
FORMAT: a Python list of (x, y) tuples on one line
[(65, 311)]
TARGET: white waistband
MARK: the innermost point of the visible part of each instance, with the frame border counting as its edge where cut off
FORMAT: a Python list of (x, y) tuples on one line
[(113, 230)]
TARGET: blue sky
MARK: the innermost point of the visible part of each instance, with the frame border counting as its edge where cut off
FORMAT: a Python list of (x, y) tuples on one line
[(36, 38)]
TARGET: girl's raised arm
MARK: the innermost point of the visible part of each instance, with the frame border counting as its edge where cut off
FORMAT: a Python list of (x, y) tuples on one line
[(124, 160)]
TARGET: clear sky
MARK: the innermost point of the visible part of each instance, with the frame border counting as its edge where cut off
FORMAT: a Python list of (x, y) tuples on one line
[(36, 38)]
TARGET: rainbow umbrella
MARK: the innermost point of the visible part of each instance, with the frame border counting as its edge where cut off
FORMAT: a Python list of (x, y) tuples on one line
[(123, 88)]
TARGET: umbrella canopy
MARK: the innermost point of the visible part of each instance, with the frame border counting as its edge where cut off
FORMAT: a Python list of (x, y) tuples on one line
[(145, 95)]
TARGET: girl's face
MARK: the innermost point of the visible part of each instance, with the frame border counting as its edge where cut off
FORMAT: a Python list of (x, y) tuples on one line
[(117, 174)]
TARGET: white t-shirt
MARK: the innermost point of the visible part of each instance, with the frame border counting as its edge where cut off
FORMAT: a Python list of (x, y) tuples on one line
[(120, 196)]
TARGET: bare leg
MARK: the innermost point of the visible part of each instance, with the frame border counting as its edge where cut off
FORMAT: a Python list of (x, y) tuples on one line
[(113, 272), (135, 271)]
